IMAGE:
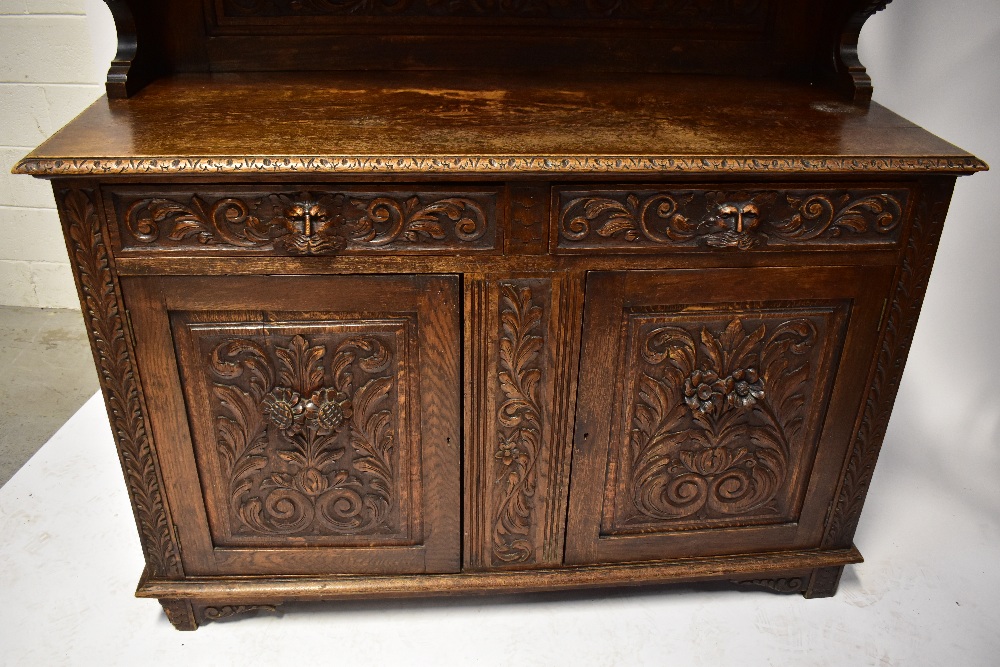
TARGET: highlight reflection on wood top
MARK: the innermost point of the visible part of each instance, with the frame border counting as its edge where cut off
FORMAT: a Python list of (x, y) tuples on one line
[(453, 122)]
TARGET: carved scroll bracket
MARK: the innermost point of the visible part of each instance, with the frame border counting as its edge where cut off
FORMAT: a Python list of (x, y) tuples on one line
[(854, 76)]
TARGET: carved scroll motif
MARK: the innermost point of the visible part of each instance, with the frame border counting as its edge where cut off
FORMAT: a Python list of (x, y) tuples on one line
[(306, 451), (789, 585), (103, 314), (741, 220), (714, 416), (519, 429), (227, 611), (308, 223)]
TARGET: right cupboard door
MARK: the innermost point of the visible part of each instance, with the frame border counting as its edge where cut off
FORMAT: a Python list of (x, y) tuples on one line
[(716, 407)]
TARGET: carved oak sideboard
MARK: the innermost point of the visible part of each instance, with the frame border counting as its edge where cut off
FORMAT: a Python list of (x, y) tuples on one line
[(382, 310)]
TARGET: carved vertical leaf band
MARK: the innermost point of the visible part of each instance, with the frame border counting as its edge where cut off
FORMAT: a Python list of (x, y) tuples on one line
[(114, 356)]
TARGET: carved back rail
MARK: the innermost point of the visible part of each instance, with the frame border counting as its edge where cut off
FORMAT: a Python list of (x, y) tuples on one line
[(802, 39)]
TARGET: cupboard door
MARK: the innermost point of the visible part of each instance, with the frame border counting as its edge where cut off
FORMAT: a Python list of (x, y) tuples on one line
[(715, 408), (310, 424)]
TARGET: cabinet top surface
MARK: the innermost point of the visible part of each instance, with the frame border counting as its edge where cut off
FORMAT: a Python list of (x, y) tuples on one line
[(461, 123)]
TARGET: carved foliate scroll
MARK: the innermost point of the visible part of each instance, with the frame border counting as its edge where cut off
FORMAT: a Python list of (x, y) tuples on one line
[(719, 418), (519, 424), (309, 223), (309, 440), (742, 220)]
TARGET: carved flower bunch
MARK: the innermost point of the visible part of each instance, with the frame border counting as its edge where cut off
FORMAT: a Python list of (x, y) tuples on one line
[(744, 387), (324, 411), (705, 391)]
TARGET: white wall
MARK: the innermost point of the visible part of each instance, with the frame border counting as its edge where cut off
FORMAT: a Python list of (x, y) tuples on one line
[(937, 63), (50, 70)]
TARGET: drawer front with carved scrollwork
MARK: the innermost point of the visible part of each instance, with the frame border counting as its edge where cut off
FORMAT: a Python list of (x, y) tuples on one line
[(738, 218), (306, 220)]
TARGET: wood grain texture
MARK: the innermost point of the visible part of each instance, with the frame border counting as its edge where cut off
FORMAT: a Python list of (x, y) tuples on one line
[(809, 41), (427, 297), (434, 123)]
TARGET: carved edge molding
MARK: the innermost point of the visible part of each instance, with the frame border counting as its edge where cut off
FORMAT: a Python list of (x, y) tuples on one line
[(500, 164), (907, 299), (102, 310), (479, 316)]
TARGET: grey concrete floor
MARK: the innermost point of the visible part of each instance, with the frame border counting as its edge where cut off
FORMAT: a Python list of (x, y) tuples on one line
[(48, 374)]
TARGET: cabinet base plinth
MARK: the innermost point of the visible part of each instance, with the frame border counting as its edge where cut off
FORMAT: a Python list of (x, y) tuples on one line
[(209, 595)]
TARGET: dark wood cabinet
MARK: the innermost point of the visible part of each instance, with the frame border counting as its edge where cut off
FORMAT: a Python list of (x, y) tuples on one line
[(416, 319)]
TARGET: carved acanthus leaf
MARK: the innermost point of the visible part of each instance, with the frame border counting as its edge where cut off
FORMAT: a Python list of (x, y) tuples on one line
[(784, 585), (715, 413), (306, 448)]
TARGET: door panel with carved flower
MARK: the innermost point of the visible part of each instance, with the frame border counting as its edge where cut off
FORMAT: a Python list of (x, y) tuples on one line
[(703, 408), (322, 431)]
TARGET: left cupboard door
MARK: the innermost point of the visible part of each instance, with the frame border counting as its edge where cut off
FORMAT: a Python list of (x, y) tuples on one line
[(306, 424)]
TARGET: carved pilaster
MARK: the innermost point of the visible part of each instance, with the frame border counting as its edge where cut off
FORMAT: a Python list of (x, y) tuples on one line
[(897, 334), (519, 407), (112, 347)]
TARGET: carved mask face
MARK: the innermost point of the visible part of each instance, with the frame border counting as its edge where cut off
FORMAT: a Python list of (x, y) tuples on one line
[(740, 217)]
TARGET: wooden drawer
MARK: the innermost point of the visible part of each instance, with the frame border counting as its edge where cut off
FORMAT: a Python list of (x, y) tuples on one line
[(739, 217), (304, 220)]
